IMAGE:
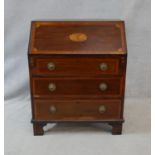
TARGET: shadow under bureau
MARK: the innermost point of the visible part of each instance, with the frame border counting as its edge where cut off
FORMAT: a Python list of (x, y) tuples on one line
[(77, 72)]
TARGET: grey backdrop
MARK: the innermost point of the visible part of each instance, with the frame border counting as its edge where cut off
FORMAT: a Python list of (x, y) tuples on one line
[(18, 15)]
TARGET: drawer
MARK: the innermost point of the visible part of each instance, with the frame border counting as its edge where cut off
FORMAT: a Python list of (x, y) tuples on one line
[(76, 109), (76, 66), (59, 87)]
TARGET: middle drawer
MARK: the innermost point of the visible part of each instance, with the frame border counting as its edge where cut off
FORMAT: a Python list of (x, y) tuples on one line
[(58, 87)]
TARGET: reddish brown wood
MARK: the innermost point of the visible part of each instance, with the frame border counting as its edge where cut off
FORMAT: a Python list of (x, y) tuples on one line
[(38, 129), (76, 109), (76, 66), (116, 128), (103, 37), (77, 72), (115, 123), (77, 87)]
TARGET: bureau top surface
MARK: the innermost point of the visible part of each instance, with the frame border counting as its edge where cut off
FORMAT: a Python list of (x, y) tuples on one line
[(77, 37)]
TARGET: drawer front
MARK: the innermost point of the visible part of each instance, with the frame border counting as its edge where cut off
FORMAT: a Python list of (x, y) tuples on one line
[(76, 109), (72, 66), (58, 87)]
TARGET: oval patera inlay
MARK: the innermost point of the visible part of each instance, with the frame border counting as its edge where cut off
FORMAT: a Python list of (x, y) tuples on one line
[(78, 37)]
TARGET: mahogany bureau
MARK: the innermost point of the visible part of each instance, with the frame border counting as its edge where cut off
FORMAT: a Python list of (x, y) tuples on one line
[(77, 72)]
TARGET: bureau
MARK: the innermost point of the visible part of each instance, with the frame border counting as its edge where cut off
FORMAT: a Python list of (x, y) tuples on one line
[(77, 72)]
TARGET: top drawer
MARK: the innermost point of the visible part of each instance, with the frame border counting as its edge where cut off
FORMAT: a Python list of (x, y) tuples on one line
[(75, 66)]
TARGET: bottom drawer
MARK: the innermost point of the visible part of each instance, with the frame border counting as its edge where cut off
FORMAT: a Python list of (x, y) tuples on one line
[(49, 110)]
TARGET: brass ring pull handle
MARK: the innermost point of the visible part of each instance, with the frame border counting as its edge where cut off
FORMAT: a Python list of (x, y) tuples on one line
[(52, 109), (51, 66), (102, 109), (103, 66), (52, 87), (103, 86)]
